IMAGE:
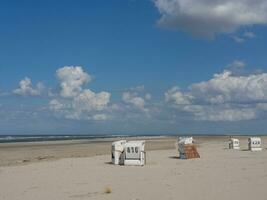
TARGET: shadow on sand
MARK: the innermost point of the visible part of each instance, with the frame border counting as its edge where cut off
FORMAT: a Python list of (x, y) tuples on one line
[(245, 150), (174, 157)]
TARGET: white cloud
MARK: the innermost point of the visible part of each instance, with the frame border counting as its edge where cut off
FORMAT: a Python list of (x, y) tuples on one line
[(26, 88), (225, 97), (243, 38), (226, 88), (136, 97), (236, 64), (76, 102), (136, 103), (84, 106), (249, 34), (132, 98), (100, 117), (175, 96), (139, 88), (208, 17), (88, 101), (238, 39), (72, 78), (55, 105), (148, 97), (220, 113)]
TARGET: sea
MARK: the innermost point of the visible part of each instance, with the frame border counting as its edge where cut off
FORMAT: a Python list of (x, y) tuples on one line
[(39, 138), (36, 138)]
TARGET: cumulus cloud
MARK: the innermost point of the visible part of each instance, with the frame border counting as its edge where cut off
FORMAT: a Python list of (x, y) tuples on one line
[(139, 88), (76, 102), (177, 97), (148, 97), (88, 101), (132, 98), (243, 38), (225, 97), (236, 64), (55, 105), (27, 89), (248, 34), (137, 97), (72, 78), (226, 88), (238, 39), (100, 117), (206, 18), (220, 113)]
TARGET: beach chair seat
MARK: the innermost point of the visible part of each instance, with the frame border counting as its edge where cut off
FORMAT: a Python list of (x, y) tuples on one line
[(187, 148), (189, 152)]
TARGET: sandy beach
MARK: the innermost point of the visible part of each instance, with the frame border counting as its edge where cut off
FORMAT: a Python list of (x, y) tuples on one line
[(82, 170)]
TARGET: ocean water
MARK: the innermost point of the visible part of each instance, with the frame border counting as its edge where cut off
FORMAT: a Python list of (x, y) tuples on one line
[(33, 138), (36, 138)]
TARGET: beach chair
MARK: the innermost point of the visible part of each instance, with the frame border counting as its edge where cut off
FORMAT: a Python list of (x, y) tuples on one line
[(186, 148), (135, 153), (254, 144), (234, 143)]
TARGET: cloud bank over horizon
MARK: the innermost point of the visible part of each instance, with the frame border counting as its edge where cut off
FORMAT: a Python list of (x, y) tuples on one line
[(225, 97), (233, 95)]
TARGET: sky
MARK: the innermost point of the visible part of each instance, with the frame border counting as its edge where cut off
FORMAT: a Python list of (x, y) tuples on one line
[(133, 67)]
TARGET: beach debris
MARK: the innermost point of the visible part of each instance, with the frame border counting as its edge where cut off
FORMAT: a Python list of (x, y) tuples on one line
[(128, 153), (108, 190), (187, 148), (234, 143), (254, 144), (44, 157)]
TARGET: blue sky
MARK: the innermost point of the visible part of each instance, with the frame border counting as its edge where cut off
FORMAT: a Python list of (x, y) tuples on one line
[(133, 67)]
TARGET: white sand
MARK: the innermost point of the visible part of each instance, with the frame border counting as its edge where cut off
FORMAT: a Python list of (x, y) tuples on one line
[(219, 174)]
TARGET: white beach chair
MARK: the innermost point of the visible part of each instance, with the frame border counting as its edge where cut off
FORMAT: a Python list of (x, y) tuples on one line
[(234, 143), (254, 144), (135, 153)]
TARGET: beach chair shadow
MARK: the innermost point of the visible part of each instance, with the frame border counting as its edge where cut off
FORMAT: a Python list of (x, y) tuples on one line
[(244, 149), (109, 163), (174, 157)]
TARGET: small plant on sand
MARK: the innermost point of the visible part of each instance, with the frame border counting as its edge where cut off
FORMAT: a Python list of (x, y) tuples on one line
[(108, 190)]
